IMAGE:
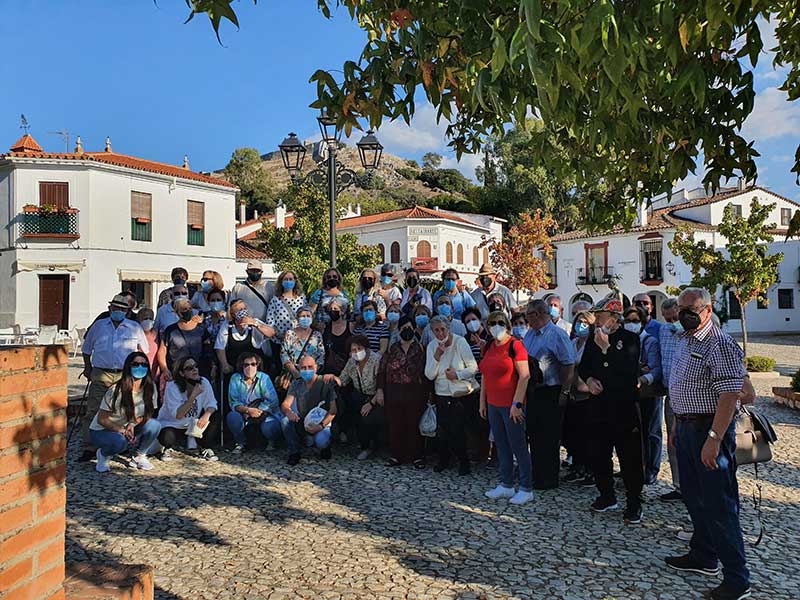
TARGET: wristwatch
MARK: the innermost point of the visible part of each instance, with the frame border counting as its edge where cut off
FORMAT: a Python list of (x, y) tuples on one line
[(713, 435), (519, 405)]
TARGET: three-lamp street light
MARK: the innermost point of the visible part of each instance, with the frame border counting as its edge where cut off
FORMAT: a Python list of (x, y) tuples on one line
[(329, 173)]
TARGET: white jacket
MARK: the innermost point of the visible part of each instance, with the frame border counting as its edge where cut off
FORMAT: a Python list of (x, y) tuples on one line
[(457, 356)]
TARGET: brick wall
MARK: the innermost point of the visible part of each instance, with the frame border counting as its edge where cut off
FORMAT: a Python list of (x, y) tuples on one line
[(33, 424)]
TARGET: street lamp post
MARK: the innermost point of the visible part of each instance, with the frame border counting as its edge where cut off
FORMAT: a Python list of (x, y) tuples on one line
[(329, 174)]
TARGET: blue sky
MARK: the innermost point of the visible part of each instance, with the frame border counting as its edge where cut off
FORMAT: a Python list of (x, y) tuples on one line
[(161, 89)]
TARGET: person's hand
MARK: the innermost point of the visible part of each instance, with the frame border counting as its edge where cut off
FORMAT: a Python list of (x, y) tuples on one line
[(378, 398), (516, 414), (203, 420), (129, 432), (582, 387), (198, 319), (601, 339), (451, 374), (248, 320), (645, 370), (254, 412), (314, 429), (227, 369), (642, 381), (595, 387), (672, 440), (437, 354), (328, 377), (167, 374), (483, 410), (709, 454), (366, 409), (293, 416)]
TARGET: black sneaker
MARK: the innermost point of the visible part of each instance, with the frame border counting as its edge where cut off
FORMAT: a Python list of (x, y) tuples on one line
[(463, 468), (573, 476), (671, 496), (325, 454), (689, 565), (633, 514), (725, 592), (293, 459), (603, 504), (587, 481)]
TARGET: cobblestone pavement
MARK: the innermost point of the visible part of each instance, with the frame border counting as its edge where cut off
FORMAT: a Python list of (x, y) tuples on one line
[(251, 527)]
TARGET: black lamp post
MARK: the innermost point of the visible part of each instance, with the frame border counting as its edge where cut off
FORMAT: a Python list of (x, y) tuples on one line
[(330, 174)]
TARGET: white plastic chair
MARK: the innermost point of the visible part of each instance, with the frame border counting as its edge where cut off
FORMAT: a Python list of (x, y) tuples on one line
[(47, 335)]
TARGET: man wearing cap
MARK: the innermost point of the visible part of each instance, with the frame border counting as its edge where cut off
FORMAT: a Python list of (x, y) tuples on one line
[(106, 346), (489, 285), (179, 277), (557, 313), (610, 368), (255, 291), (388, 289)]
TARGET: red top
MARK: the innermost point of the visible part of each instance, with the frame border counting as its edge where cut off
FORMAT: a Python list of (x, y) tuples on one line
[(499, 373)]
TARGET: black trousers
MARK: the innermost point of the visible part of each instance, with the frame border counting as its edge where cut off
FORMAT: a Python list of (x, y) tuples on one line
[(576, 433), (452, 435), (627, 441), (171, 437), (543, 418)]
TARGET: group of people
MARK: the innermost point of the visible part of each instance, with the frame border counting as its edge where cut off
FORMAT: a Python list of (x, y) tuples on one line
[(508, 385)]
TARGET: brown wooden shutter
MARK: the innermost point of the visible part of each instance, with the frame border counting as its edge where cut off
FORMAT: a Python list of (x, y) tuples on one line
[(141, 206), (54, 193), (195, 214)]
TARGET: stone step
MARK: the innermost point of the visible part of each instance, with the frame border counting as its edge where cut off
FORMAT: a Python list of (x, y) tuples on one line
[(108, 582)]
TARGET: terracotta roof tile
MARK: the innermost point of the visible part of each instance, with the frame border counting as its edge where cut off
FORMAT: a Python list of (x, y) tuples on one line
[(416, 212), (26, 144), (245, 251)]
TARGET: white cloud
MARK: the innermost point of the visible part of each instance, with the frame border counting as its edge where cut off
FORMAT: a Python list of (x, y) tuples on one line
[(767, 30), (423, 135), (466, 165), (772, 117)]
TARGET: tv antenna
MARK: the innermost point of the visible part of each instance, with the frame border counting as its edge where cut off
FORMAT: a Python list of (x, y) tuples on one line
[(23, 124), (64, 133)]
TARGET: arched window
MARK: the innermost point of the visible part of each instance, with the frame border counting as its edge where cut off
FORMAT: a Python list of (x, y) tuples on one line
[(460, 254), (395, 252), (424, 249), (486, 256), (382, 250), (476, 256), (448, 253)]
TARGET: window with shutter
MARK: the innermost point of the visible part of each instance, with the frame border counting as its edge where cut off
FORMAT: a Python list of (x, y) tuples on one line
[(195, 219), (449, 253), (382, 250), (475, 256), (395, 252), (54, 193), (141, 217), (460, 254)]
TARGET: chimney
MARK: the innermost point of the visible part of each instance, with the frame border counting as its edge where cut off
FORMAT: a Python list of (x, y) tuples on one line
[(255, 215), (186, 161), (108, 145), (78, 146), (280, 215), (742, 184), (358, 209), (242, 211), (436, 208), (641, 214)]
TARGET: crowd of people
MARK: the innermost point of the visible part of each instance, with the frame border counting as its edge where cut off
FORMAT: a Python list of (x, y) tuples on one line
[(263, 364)]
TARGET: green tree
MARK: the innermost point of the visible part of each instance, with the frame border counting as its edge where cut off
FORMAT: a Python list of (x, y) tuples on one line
[(747, 270), (257, 188), (632, 92), (431, 160), (448, 180), (305, 247)]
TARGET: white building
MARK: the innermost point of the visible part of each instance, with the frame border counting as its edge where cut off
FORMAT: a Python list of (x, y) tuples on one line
[(79, 227), (640, 260)]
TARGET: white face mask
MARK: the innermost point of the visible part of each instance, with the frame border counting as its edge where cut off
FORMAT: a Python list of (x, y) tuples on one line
[(359, 356), (606, 329), (498, 332), (474, 326), (633, 327)]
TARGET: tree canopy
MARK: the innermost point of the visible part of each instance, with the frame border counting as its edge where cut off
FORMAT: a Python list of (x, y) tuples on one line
[(257, 188), (632, 92)]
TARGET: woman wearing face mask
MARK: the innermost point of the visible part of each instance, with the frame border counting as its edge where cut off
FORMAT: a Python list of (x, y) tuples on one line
[(186, 338), (390, 293), (519, 326), (362, 371), (505, 383), (377, 332), (422, 316), (405, 390), (321, 298), (496, 301), (335, 337), (253, 403), (414, 295), (393, 315), (299, 342), (576, 434), (125, 419), (166, 314), (369, 290), (215, 319), (459, 299), (211, 280), (145, 318), (444, 309), (282, 311), (188, 402), (478, 338), (242, 333), (450, 365)]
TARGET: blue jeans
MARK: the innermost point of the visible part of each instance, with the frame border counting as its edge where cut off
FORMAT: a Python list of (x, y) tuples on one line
[(712, 498), (652, 411), (510, 441), (293, 431), (111, 442), (270, 428)]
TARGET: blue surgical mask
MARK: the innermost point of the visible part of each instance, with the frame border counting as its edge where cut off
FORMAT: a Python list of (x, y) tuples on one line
[(304, 322), (519, 331), (445, 310), (117, 315), (554, 312), (582, 329), (633, 327), (139, 372), (288, 284), (147, 324), (386, 279), (179, 282), (677, 327), (449, 284), (421, 320), (393, 317), (217, 305), (206, 285), (369, 316), (307, 374)]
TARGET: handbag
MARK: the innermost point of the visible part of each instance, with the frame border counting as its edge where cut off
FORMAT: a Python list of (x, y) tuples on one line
[(428, 422), (754, 437), (315, 416), (460, 387), (194, 430)]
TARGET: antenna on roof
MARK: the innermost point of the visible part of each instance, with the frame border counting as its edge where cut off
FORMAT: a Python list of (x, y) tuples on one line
[(23, 124), (64, 133)]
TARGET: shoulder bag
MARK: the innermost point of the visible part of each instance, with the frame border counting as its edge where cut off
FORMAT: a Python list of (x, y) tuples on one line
[(460, 387), (754, 437)]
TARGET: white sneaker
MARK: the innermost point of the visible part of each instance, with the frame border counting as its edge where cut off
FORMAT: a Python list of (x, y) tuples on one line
[(500, 492), (102, 463), (521, 498), (238, 449), (167, 455), (684, 536), (208, 454), (141, 462), (364, 454)]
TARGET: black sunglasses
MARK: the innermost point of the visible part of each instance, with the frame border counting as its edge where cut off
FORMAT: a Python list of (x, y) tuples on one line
[(493, 323), (139, 364), (189, 367)]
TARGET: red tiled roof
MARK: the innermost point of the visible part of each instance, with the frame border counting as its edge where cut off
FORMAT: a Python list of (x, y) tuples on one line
[(26, 147), (726, 194), (245, 251), (416, 212)]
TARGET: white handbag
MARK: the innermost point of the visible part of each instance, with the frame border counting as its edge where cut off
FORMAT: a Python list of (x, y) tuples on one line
[(460, 387), (194, 430)]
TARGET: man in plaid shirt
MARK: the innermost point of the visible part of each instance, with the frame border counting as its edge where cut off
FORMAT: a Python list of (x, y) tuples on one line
[(705, 388)]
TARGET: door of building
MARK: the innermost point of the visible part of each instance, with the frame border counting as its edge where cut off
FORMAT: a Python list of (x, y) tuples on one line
[(54, 300)]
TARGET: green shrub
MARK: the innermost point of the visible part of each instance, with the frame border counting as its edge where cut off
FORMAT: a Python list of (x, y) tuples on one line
[(796, 381), (759, 364), (407, 173)]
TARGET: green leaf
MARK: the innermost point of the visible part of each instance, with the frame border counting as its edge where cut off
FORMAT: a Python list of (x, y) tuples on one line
[(532, 10), (499, 56)]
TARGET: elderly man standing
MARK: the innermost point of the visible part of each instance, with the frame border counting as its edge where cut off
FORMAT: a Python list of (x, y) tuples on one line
[(488, 280), (651, 326), (555, 353), (670, 333), (557, 312), (255, 291), (706, 385), (107, 344)]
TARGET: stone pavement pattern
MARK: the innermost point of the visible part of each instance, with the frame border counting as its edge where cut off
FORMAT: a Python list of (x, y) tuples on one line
[(250, 527)]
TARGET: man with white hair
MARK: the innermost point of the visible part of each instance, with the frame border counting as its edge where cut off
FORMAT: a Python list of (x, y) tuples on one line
[(579, 306), (556, 311), (706, 386)]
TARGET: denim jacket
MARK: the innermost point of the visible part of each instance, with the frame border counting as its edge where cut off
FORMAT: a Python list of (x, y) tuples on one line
[(239, 393)]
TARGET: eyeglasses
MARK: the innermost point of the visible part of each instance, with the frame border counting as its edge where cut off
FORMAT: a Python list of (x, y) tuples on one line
[(189, 367), (250, 364), (493, 323), (139, 363)]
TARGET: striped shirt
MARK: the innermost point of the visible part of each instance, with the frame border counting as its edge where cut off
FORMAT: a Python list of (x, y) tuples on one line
[(706, 363), (668, 338), (378, 331)]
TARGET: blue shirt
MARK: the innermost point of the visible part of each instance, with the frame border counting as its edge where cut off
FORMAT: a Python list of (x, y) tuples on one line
[(109, 346), (552, 348), (650, 355), (460, 300), (653, 328), (668, 340), (240, 394)]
